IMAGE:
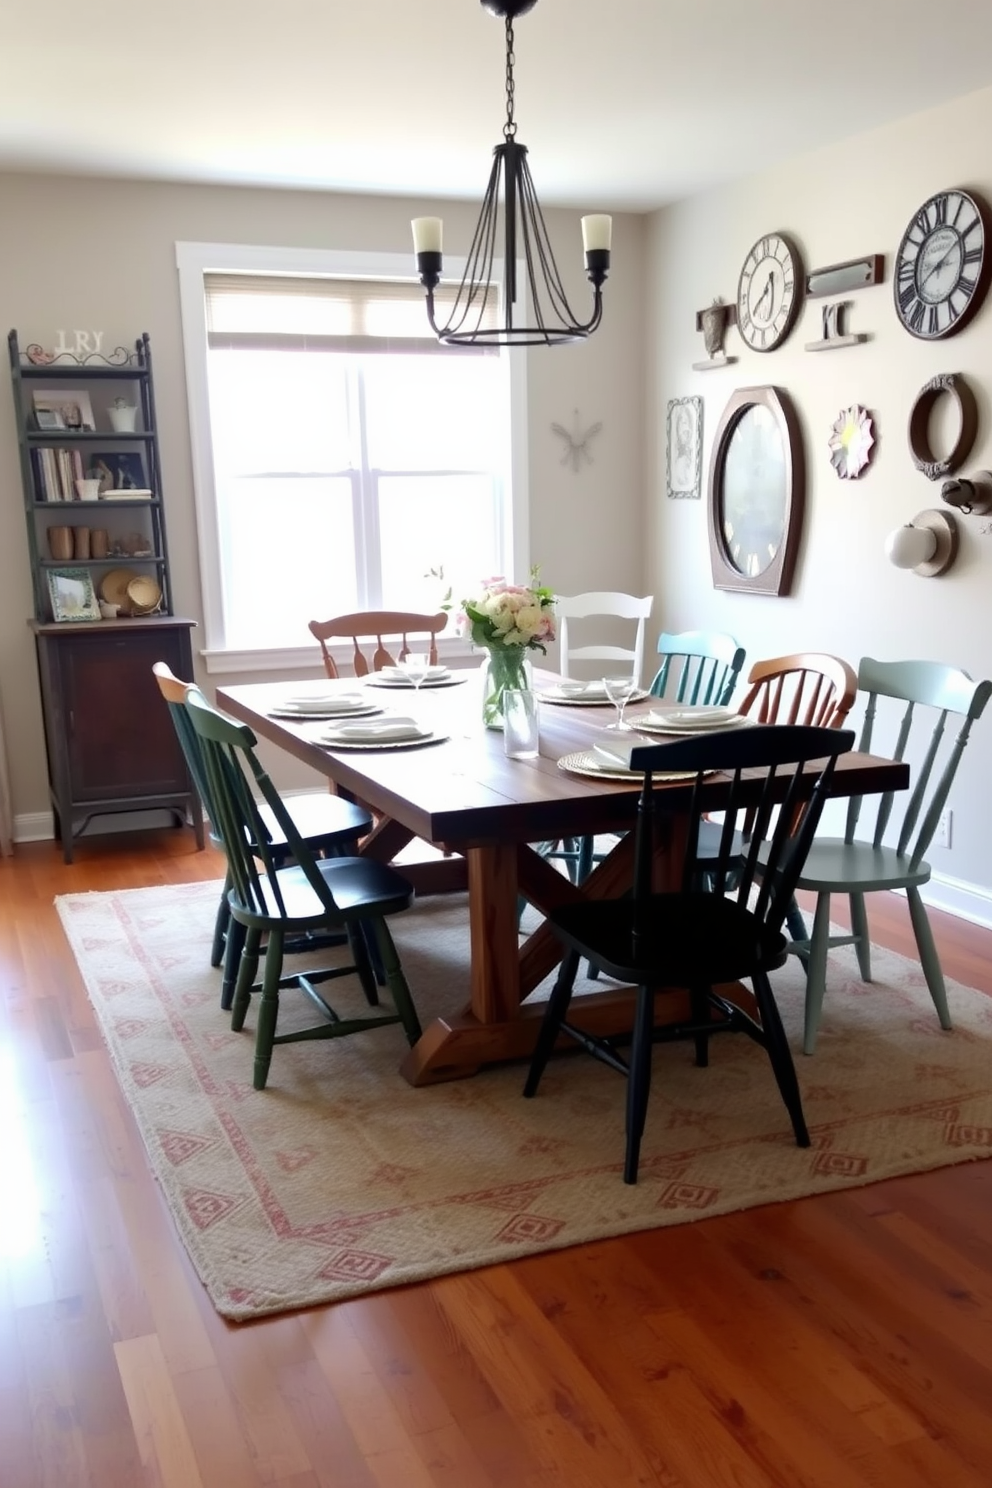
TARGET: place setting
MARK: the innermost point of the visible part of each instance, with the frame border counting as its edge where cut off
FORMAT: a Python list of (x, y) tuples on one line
[(609, 757), (590, 694), (386, 731), (416, 671), (318, 706)]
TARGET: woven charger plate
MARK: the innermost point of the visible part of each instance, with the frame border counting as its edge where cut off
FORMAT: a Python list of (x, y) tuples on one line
[(585, 763), (113, 585), (377, 744)]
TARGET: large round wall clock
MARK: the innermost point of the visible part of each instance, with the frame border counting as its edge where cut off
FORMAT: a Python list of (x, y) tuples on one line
[(769, 292), (942, 265), (756, 493)]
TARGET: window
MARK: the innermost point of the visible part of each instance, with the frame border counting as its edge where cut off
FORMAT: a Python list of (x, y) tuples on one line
[(339, 453)]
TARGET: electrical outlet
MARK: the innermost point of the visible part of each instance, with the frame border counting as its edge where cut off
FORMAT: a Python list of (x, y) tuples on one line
[(942, 836)]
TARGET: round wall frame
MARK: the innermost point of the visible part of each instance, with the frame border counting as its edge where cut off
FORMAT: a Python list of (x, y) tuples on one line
[(924, 458)]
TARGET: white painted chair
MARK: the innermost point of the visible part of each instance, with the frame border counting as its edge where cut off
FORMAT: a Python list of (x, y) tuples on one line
[(606, 604)]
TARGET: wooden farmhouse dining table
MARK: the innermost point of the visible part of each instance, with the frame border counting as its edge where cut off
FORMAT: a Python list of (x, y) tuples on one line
[(486, 813)]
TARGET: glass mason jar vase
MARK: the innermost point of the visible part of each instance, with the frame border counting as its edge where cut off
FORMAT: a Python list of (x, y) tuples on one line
[(503, 667)]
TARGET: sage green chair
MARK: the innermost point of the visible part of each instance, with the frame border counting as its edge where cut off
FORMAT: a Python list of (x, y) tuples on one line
[(329, 824), (307, 896), (697, 666), (857, 867)]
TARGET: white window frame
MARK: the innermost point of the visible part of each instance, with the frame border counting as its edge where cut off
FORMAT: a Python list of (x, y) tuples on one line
[(193, 261)]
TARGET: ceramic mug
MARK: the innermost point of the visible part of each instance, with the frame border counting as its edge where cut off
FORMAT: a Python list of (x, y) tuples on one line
[(88, 488), (60, 542)]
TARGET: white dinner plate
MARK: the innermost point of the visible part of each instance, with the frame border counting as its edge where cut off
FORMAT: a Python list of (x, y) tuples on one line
[(363, 709), (650, 723), (379, 680)]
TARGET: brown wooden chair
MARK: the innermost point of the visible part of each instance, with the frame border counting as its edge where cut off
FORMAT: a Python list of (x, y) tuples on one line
[(378, 626), (810, 688)]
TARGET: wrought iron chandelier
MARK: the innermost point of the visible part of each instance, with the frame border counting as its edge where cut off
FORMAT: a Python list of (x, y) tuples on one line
[(474, 320)]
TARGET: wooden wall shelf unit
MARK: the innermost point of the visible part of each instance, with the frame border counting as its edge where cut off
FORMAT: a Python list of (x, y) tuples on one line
[(111, 748)]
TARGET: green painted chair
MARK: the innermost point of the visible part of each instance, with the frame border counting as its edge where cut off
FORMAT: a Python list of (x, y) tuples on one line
[(328, 824), (692, 938), (308, 896), (856, 867), (697, 666)]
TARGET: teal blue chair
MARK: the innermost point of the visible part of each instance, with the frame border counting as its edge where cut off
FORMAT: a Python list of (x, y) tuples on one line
[(855, 866), (697, 666)]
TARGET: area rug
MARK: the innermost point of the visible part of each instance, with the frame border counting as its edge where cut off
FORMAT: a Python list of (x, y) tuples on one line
[(340, 1178)]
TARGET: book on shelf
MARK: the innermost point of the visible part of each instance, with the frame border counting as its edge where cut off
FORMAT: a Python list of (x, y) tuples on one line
[(55, 473), (127, 495)]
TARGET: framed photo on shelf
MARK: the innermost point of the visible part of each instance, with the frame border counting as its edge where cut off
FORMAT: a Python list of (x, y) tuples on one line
[(685, 447), (72, 594), (72, 406), (48, 418), (119, 474)]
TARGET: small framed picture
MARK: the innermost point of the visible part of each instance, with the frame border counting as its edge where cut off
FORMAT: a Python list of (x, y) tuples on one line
[(48, 418), (72, 594), (72, 406), (119, 474), (685, 447)]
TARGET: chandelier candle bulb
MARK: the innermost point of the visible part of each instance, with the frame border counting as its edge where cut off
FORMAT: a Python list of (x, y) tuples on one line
[(427, 234), (597, 232)]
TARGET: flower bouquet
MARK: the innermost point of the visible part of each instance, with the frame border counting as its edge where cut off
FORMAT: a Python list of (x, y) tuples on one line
[(508, 620)]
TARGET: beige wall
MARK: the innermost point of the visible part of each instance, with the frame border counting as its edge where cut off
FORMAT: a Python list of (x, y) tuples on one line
[(837, 204), (97, 254)]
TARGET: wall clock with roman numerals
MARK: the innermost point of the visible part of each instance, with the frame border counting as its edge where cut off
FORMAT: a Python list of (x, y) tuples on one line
[(942, 265), (769, 292)]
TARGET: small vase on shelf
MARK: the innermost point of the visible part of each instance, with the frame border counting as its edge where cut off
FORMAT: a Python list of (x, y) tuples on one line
[(503, 667), (123, 416)]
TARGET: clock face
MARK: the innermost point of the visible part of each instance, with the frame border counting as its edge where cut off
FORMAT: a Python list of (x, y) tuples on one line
[(753, 496), (769, 292), (756, 493), (941, 268)]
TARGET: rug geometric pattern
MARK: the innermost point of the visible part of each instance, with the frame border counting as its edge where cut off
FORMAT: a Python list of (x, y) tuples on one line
[(340, 1178)]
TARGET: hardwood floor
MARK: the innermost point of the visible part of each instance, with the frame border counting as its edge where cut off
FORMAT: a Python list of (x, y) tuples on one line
[(837, 1342)]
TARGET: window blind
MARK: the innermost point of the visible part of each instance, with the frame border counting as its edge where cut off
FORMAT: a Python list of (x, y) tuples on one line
[(269, 312)]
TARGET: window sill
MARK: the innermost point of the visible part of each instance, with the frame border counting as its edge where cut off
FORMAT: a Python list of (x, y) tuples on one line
[(456, 650)]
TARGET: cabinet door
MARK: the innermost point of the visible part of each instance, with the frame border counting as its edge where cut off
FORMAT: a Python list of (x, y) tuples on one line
[(121, 741)]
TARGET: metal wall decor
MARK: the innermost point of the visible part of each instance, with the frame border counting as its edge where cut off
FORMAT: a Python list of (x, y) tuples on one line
[(851, 441), (834, 334), (954, 385), (685, 448), (970, 497), (576, 441), (855, 273), (713, 322)]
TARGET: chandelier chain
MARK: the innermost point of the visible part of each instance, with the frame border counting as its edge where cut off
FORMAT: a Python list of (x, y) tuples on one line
[(510, 127)]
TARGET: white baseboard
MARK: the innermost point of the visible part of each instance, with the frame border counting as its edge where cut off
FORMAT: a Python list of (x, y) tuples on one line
[(954, 896)]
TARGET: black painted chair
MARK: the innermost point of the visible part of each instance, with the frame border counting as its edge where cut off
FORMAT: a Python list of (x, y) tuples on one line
[(700, 938), (328, 824), (350, 894)]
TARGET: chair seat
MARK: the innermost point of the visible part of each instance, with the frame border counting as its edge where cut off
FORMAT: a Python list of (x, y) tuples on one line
[(360, 887), (322, 820), (696, 939), (856, 867)]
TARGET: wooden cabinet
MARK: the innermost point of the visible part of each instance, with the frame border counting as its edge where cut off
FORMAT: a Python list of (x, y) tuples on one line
[(91, 469), (111, 747)]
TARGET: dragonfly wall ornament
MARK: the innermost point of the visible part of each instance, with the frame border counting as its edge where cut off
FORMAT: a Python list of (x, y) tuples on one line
[(576, 442)]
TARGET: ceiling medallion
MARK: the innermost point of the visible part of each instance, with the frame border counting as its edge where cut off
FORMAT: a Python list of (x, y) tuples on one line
[(477, 318)]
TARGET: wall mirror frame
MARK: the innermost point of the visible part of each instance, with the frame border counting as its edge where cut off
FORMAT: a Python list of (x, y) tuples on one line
[(757, 493)]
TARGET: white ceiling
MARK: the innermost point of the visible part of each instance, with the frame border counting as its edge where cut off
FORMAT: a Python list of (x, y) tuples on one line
[(623, 104)]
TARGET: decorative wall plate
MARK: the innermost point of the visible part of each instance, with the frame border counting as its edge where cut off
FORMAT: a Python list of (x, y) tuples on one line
[(851, 441)]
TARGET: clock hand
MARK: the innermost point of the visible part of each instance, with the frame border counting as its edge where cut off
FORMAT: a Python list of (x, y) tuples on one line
[(939, 264), (767, 291)]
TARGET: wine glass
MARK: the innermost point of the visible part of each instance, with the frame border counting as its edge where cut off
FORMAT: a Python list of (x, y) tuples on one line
[(416, 664), (619, 690)]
